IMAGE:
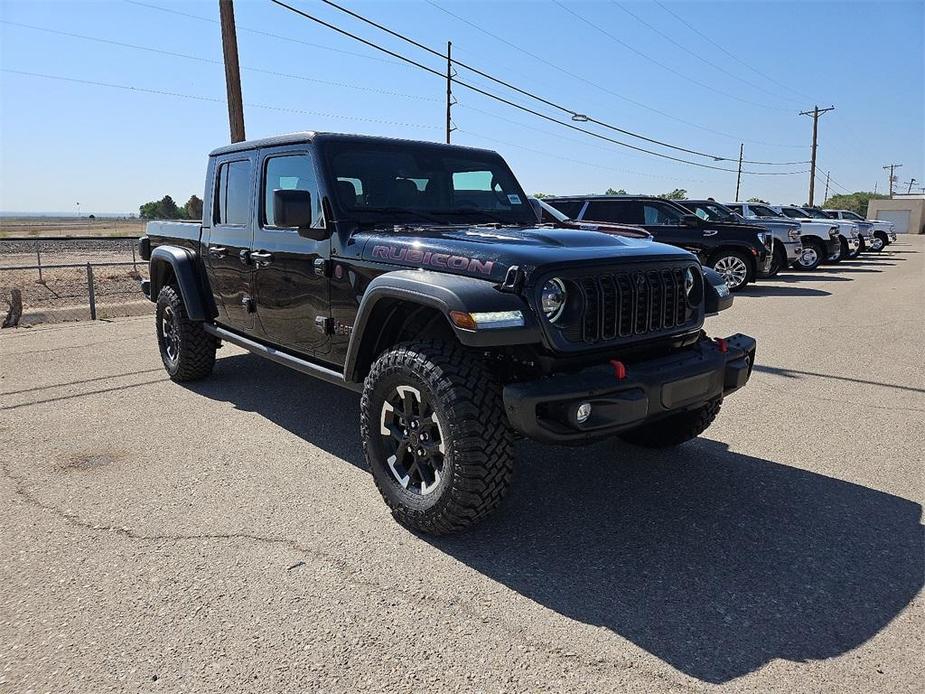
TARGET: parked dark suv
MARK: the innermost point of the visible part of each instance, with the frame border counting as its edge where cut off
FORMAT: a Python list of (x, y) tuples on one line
[(739, 252)]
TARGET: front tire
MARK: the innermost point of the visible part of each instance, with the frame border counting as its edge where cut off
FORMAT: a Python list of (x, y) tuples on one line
[(187, 350), (675, 429), (811, 256), (839, 254), (879, 242), (734, 267), (778, 262), (435, 436)]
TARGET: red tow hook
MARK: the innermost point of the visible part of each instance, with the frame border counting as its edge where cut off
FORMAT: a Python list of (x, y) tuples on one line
[(721, 344), (619, 370)]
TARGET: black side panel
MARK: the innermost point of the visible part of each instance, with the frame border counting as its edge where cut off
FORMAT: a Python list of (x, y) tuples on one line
[(185, 270)]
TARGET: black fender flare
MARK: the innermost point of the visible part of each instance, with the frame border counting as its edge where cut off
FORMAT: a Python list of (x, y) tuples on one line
[(186, 271), (445, 293)]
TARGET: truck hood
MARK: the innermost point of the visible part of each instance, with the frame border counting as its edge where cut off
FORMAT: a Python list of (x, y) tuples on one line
[(488, 252)]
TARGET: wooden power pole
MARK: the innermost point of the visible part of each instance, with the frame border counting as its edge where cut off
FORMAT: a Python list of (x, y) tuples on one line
[(449, 89), (739, 177), (827, 173), (815, 113), (232, 70), (891, 168)]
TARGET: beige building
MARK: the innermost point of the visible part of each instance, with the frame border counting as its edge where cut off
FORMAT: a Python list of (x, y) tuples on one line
[(907, 212)]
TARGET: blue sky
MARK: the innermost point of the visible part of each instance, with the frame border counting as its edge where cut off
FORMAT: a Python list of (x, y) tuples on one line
[(112, 149)]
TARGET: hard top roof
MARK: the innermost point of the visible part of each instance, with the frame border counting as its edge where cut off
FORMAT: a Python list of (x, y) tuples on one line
[(312, 136)]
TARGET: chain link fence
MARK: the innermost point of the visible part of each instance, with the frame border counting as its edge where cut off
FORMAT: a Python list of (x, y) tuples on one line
[(104, 282)]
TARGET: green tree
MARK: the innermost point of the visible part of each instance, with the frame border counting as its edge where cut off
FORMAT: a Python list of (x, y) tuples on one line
[(165, 208), (856, 202), (763, 202), (676, 194), (193, 207), (611, 191), (538, 196)]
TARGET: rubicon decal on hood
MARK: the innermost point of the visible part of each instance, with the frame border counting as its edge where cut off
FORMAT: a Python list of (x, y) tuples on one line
[(442, 260)]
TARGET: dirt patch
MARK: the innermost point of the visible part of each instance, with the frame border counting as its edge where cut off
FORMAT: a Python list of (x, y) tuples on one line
[(88, 461)]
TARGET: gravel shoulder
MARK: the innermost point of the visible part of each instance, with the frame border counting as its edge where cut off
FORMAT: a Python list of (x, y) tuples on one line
[(227, 536)]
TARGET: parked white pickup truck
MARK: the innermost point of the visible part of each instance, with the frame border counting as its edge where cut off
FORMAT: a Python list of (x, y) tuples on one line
[(882, 232), (818, 240), (848, 233)]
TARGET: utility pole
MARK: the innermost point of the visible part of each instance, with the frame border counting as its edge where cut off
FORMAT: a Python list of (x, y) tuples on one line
[(449, 89), (815, 113), (826, 186), (739, 176), (911, 181), (892, 168), (232, 70)]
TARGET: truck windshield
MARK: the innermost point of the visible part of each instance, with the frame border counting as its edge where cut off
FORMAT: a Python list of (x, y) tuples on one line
[(711, 211), (762, 211), (794, 212), (816, 213), (386, 183)]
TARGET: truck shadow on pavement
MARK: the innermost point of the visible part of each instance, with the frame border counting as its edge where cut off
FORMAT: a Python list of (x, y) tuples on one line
[(714, 561), (764, 289)]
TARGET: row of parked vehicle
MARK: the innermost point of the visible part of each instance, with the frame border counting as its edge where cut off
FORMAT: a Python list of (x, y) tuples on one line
[(743, 241)]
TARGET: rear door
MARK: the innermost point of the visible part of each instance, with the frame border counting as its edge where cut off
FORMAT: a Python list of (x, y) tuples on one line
[(227, 252), (292, 285)]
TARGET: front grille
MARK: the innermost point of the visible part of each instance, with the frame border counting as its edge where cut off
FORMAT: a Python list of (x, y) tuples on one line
[(631, 304)]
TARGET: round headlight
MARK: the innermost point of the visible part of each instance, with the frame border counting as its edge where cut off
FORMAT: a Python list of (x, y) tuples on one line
[(552, 299)]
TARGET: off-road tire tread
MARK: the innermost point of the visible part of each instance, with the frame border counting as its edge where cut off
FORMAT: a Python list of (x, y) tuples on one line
[(676, 429), (482, 453), (197, 347)]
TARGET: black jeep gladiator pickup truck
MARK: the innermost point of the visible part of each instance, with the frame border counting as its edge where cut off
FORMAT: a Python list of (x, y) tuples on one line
[(418, 274), (739, 252)]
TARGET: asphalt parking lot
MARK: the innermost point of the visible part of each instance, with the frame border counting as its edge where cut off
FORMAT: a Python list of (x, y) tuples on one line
[(226, 535)]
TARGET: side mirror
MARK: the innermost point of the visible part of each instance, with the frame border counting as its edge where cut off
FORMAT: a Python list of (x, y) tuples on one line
[(691, 220), (293, 208)]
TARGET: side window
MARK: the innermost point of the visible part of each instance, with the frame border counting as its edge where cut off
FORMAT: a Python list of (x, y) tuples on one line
[(737, 209), (653, 213), (233, 200), (621, 211), (290, 172)]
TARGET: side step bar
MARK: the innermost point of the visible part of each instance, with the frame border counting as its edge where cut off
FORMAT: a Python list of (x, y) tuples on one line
[(301, 365)]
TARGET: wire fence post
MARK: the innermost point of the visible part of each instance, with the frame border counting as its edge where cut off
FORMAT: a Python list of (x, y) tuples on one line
[(38, 257), (134, 262), (91, 292)]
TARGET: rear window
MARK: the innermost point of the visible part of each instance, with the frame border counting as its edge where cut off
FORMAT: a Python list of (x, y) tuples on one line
[(233, 203), (570, 208)]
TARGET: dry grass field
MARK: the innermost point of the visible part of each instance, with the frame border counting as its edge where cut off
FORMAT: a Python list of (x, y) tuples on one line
[(70, 226)]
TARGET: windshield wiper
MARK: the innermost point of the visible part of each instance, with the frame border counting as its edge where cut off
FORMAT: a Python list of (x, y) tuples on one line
[(404, 210), (474, 210)]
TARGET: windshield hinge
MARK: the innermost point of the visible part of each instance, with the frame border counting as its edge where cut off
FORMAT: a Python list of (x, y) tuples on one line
[(513, 280)]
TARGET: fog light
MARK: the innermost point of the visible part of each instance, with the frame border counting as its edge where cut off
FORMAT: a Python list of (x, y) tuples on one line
[(583, 412)]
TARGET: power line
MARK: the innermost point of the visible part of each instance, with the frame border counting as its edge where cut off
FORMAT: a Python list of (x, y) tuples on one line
[(690, 52), (212, 61), (601, 87), (707, 38), (516, 105), (660, 64), (209, 99), (259, 32), (575, 115)]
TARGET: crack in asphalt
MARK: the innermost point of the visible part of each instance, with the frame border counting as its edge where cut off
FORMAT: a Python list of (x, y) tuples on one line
[(597, 664)]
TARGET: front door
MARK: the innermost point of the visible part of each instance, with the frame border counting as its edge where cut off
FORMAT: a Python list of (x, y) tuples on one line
[(230, 239), (663, 221), (292, 285)]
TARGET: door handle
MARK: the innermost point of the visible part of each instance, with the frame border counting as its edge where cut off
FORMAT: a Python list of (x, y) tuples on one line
[(710, 232), (217, 251), (261, 258)]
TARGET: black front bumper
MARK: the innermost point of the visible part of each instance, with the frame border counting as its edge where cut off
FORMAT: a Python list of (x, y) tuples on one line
[(546, 410)]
